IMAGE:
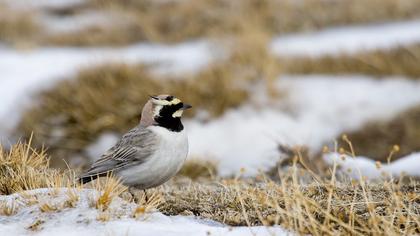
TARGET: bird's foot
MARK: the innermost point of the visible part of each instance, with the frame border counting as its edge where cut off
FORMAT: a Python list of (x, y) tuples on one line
[(145, 195)]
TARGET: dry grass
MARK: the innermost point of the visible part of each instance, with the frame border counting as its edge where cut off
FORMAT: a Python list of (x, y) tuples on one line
[(402, 61), (98, 35), (197, 169), (319, 208), (108, 189), (18, 27), (377, 139), (24, 168), (184, 20)]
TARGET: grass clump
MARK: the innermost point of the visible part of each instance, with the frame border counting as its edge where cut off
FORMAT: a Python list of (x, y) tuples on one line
[(107, 190), (23, 168), (402, 61), (18, 28), (196, 169), (377, 139)]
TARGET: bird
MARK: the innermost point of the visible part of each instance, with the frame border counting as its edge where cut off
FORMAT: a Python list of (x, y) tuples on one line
[(152, 152)]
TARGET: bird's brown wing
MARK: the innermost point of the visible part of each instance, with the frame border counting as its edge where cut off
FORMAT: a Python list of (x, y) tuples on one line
[(134, 148)]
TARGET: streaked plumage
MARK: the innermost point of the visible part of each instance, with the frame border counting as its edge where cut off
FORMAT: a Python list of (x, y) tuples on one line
[(152, 152)]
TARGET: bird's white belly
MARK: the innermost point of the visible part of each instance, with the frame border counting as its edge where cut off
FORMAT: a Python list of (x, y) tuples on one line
[(168, 159)]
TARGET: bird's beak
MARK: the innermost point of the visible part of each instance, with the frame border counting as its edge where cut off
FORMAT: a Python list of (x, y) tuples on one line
[(154, 97), (186, 106)]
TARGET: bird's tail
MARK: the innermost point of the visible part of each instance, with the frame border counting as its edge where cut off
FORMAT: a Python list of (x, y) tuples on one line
[(87, 179)]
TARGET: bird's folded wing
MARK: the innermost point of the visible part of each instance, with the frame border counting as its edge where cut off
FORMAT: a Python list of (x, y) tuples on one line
[(134, 148)]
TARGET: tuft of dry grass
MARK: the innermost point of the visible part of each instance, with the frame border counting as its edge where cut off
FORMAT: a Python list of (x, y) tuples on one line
[(148, 205), (24, 168), (196, 169), (402, 61), (8, 209), (18, 27), (377, 139), (107, 188)]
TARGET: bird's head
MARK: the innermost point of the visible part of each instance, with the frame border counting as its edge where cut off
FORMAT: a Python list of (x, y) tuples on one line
[(163, 110)]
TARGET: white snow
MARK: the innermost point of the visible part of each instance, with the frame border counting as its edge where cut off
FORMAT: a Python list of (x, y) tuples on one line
[(358, 166), (81, 220), (315, 110), (348, 39), (41, 4), (24, 72), (104, 142)]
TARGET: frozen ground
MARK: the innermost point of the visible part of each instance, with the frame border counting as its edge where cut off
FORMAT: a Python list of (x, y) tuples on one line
[(82, 219), (348, 39)]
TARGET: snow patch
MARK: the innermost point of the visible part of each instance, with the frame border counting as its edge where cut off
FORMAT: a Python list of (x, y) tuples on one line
[(82, 219), (104, 142), (358, 166), (43, 4), (315, 110), (348, 39)]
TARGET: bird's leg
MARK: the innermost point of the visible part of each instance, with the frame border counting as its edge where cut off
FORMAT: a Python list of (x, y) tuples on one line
[(145, 194), (131, 191)]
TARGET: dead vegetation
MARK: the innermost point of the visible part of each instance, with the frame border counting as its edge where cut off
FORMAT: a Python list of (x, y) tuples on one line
[(108, 189), (196, 169), (321, 207), (400, 61), (18, 27), (24, 168), (377, 139)]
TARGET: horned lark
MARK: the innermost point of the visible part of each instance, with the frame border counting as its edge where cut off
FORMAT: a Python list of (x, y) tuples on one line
[(152, 152)]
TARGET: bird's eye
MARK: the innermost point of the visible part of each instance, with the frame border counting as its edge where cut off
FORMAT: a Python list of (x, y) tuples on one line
[(169, 98)]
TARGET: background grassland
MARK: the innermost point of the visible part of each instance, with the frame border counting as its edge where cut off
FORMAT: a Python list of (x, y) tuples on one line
[(191, 19), (18, 27), (185, 20), (400, 61)]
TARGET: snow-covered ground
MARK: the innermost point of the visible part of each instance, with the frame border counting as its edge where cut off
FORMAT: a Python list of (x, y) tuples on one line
[(348, 39), (356, 167), (41, 4), (82, 219)]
